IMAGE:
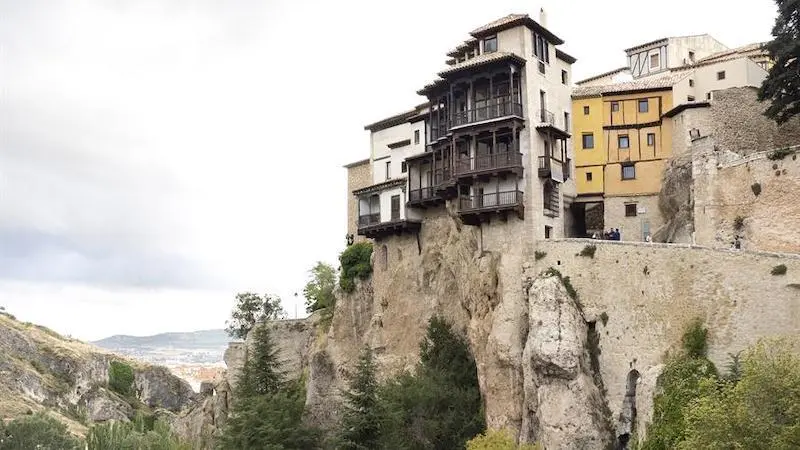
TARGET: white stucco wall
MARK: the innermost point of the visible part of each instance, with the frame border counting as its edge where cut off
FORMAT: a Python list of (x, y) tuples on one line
[(703, 45)]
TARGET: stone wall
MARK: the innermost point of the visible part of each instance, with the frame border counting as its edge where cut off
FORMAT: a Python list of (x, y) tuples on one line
[(641, 297), (632, 228), (725, 191), (359, 175), (739, 125)]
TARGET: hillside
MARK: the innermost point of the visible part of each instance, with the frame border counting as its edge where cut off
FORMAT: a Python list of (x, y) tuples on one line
[(195, 340), (40, 369)]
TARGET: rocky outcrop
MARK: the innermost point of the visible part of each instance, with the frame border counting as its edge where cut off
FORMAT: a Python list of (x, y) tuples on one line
[(564, 408), (675, 202), (40, 369)]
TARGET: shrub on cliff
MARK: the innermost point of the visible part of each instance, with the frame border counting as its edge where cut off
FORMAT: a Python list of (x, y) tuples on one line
[(120, 378), (134, 435), (37, 431), (355, 261), (439, 407), (319, 289), (498, 440)]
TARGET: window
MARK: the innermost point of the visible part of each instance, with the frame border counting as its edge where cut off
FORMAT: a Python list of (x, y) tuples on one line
[(691, 56), (690, 98), (548, 231), (564, 79), (691, 82), (588, 176), (588, 140), (541, 68), (614, 106), (623, 141), (630, 210), (721, 75), (644, 106), (403, 167), (651, 139), (388, 170), (541, 48), (708, 95), (585, 110), (566, 122), (628, 172), (395, 207), (490, 44), (416, 136), (654, 61)]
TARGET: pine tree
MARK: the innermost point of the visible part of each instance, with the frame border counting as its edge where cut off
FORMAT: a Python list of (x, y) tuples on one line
[(360, 426), (782, 86), (262, 373)]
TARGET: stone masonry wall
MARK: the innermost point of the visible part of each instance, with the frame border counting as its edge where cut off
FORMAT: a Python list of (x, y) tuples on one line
[(358, 176), (641, 297), (631, 228), (740, 127), (724, 191)]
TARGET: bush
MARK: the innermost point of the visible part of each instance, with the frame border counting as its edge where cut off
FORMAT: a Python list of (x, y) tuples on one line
[(120, 378), (37, 431), (355, 261), (694, 340), (780, 153), (498, 440), (738, 223), (134, 435), (780, 269), (756, 187), (553, 272), (588, 251), (538, 254)]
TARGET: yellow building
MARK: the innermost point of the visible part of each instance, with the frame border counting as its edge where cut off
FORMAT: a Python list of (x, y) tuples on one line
[(620, 145)]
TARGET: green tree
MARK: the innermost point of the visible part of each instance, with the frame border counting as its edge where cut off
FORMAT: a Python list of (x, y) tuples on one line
[(760, 411), (440, 406), (319, 289), (361, 421), (261, 373), (251, 309), (782, 85), (38, 431), (121, 378), (133, 435)]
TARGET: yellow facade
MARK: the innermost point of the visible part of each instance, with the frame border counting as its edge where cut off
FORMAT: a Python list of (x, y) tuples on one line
[(627, 130), (588, 160)]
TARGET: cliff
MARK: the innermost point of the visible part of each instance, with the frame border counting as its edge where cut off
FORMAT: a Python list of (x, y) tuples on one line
[(40, 369), (569, 362)]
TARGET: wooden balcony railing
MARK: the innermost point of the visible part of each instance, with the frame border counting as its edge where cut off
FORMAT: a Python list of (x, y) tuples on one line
[(490, 111), (422, 194), (369, 219), (493, 161), (548, 119), (442, 175), (489, 200)]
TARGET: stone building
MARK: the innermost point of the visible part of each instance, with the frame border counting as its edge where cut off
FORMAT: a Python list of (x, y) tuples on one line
[(359, 175), (624, 137), (490, 144)]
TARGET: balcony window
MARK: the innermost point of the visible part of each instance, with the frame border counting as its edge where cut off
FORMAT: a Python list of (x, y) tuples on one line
[(623, 141), (490, 44), (388, 170), (416, 136), (588, 140), (628, 172), (541, 48), (644, 106)]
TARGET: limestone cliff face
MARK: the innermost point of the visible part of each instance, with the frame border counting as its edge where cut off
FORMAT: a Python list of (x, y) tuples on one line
[(41, 370)]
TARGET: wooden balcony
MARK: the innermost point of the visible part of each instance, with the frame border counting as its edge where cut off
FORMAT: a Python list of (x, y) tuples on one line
[(423, 197), (494, 164), (547, 165), (493, 111), (370, 225), (549, 125), (444, 183), (474, 209)]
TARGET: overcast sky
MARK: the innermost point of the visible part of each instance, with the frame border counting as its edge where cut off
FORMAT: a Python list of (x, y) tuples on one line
[(158, 156)]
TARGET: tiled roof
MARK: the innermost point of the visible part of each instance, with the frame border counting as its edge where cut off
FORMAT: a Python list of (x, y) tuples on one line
[(514, 20), (511, 18), (646, 84), (565, 57), (356, 163), (605, 74), (381, 186), (754, 49), (396, 119), (480, 60), (730, 57), (646, 44), (462, 47)]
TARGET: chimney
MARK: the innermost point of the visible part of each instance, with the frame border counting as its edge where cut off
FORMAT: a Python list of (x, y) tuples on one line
[(542, 18)]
